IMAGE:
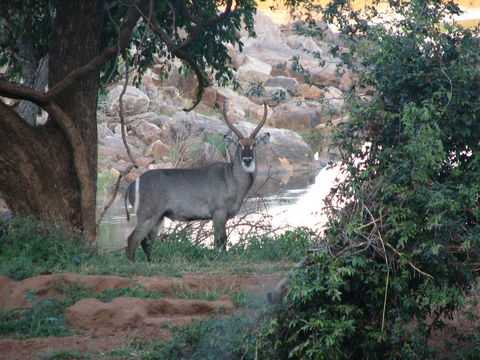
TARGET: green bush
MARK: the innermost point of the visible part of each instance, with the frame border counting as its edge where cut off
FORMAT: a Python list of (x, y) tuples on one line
[(404, 227)]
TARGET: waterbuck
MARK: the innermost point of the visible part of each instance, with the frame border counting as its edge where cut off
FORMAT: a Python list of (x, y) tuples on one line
[(213, 192)]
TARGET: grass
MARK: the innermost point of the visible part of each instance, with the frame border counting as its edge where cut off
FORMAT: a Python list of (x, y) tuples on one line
[(29, 248), (231, 337), (64, 355), (45, 317)]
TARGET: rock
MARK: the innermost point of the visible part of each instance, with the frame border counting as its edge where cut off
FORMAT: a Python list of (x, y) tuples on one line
[(170, 92), (329, 75), (103, 131), (239, 106), (204, 154), (299, 120), (209, 97), (112, 147), (310, 92), (271, 95), (146, 131), (121, 166), (300, 42), (157, 149), (131, 177), (295, 115), (328, 36), (279, 70), (266, 29), (150, 117), (186, 84), (326, 130), (143, 161), (134, 100), (184, 126), (288, 83), (334, 97), (253, 70)]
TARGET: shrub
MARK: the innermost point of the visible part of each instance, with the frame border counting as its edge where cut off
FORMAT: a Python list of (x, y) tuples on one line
[(404, 227)]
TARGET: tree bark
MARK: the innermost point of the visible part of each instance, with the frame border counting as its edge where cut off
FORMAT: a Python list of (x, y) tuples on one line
[(50, 171), (34, 177), (37, 79)]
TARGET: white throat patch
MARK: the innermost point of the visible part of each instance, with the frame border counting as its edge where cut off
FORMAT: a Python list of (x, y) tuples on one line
[(250, 168)]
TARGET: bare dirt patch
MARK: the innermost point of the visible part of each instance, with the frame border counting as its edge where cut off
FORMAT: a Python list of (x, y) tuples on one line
[(101, 326)]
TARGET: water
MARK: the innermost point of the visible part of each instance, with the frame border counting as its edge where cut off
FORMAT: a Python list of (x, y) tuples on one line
[(280, 201)]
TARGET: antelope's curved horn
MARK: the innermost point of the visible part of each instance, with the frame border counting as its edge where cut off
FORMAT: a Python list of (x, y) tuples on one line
[(229, 124), (259, 126)]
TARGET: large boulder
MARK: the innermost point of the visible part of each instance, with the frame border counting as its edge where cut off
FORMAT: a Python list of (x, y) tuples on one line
[(184, 126), (288, 83), (253, 70), (134, 100), (146, 131), (203, 154), (103, 131), (158, 149), (112, 147), (266, 29), (150, 117), (239, 106), (296, 115), (334, 97), (310, 92)]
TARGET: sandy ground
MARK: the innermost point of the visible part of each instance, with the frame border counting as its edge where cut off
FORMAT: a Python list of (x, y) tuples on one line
[(102, 326)]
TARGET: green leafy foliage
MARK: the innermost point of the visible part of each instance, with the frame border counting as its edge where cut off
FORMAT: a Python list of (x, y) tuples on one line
[(404, 235)]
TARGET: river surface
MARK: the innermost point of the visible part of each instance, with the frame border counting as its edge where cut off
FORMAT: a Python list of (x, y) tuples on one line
[(279, 201)]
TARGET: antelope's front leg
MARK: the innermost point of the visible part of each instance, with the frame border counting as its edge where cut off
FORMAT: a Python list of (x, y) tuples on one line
[(219, 223)]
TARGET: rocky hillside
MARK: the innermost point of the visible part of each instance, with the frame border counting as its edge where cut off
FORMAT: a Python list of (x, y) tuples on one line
[(294, 74)]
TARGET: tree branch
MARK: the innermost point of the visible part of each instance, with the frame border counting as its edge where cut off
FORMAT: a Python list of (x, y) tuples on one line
[(23, 93), (124, 39), (177, 49)]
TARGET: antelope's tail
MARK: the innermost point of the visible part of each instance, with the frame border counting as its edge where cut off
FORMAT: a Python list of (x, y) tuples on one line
[(136, 200)]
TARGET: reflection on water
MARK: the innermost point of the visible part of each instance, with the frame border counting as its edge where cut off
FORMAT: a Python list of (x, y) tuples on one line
[(283, 200)]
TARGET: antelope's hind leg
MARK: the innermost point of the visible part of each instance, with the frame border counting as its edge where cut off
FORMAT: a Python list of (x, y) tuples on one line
[(149, 240), (138, 235)]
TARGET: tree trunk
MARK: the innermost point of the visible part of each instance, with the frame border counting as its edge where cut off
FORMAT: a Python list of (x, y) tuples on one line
[(40, 173), (37, 79)]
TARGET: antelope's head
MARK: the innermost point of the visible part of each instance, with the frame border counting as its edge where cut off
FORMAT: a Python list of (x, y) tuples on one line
[(246, 145)]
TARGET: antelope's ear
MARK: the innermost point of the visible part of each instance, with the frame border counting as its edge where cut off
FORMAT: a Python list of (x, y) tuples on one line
[(262, 139)]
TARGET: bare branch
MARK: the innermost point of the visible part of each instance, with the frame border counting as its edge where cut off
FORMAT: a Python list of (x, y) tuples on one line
[(114, 194), (120, 114)]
